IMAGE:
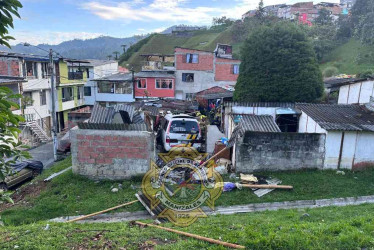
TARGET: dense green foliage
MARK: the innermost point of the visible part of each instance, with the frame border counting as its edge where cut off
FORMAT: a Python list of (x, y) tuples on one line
[(324, 17), (9, 144), (278, 64), (8, 8), (348, 227), (363, 20)]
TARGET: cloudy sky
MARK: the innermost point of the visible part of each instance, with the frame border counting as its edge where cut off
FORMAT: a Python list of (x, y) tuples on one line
[(54, 21)]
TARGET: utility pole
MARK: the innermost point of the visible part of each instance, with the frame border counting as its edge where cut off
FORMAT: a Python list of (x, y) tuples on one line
[(53, 97)]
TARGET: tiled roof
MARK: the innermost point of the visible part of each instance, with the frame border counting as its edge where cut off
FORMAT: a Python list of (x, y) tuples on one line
[(261, 104), (340, 117)]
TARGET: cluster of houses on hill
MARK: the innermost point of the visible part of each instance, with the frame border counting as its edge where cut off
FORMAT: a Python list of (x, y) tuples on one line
[(82, 83), (305, 12), (270, 136)]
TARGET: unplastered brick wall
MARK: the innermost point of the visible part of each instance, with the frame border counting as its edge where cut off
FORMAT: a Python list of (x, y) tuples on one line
[(266, 151), (114, 155)]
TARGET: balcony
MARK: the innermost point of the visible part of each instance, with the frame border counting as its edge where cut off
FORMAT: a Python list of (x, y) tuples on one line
[(78, 75)]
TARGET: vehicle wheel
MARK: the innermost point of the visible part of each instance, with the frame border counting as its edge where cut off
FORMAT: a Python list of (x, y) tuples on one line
[(3, 186)]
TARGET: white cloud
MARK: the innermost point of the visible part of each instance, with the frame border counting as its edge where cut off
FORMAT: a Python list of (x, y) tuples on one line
[(158, 10), (50, 37)]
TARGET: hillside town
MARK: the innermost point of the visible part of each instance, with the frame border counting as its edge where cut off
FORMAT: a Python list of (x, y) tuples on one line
[(201, 147)]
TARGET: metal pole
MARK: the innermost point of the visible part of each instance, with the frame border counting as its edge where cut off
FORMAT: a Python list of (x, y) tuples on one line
[(53, 98)]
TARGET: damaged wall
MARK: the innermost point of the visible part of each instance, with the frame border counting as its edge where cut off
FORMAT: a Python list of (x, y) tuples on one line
[(114, 155), (279, 151)]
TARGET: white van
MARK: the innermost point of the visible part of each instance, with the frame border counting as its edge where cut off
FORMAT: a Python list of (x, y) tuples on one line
[(178, 130)]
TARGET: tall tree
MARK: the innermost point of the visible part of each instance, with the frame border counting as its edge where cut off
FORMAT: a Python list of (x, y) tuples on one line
[(116, 53), (324, 17), (278, 64), (7, 8), (260, 12)]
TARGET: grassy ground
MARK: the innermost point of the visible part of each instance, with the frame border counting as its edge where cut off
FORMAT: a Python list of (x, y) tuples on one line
[(323, 228), (71, 195), (351, 58)]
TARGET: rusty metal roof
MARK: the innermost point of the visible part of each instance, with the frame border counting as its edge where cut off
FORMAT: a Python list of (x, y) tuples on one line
[(340, 117)]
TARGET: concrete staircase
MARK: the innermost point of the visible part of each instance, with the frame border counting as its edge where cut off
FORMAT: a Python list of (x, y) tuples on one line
[(38, 131)]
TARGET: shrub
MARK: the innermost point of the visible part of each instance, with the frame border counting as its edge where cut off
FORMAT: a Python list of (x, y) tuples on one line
[(330, 71)]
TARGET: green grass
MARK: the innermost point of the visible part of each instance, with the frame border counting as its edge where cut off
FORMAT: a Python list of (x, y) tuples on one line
[(349, 227), (70, 194), (351, 58)]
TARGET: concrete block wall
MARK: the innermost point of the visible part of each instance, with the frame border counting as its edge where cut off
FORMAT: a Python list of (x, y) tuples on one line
[(279, 151), (113, 155)]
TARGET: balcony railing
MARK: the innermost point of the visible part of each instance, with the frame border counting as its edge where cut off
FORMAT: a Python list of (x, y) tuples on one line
[(75, 75)]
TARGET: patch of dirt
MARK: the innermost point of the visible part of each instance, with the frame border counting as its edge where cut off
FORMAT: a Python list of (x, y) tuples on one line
[(23, 193), (86, 243)]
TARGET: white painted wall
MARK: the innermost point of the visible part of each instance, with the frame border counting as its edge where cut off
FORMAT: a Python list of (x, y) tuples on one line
[(354, 93), (365, 148), (308, 125), (332, 149)]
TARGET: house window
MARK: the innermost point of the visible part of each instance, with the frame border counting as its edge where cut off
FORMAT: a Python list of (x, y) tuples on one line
[(43, 97), (164, 83), (31, 69), (142, 83), (192, 58), (88, 72), (190, 96), (235, 69), (67, 94), (188, 77), (87, 91), (123, 88), (105, 87), (45, 70)]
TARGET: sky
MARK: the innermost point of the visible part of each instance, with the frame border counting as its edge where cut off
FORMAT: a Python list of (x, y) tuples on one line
[(55, 21)]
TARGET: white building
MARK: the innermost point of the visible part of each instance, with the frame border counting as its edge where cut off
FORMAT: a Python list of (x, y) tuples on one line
[(349, 131), (97, 69)]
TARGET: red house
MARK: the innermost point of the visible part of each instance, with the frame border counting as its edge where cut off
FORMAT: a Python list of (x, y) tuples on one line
[(154, 84)]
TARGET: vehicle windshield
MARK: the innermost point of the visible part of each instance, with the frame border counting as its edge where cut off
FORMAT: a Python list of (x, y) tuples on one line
[(184, 127)]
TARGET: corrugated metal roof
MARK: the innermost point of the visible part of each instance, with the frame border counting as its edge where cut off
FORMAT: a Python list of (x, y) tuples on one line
[(261, 104), (119, 77), (255, 123), (228, 94), (340, 117), (338, 82), (101, 115), (9, 79), (258, 123)]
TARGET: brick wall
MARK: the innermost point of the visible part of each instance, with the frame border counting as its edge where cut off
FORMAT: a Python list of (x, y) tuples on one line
[(279, 151), (205, 60), (9, 67), (224, 71), (115, 155)]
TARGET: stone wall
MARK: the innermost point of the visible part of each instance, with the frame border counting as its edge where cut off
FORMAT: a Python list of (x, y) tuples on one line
[(279, 151), (114, 155)]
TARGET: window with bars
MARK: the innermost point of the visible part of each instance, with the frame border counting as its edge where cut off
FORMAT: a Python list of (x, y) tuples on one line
[(164, 83)]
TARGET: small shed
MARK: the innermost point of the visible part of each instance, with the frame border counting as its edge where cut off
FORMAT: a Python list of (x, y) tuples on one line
[(349, 131)]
